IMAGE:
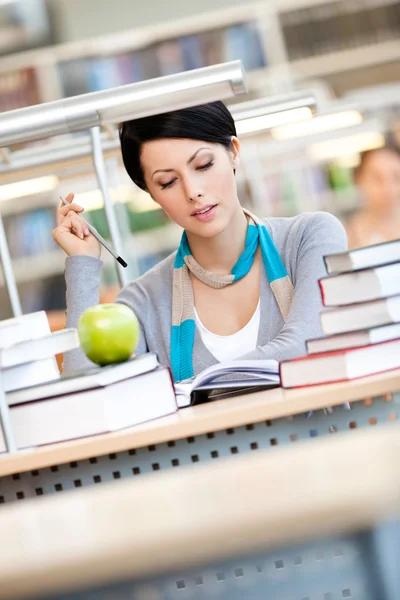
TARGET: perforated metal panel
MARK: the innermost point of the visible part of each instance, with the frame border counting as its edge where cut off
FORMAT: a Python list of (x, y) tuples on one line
[(200, 449), (337, 569)]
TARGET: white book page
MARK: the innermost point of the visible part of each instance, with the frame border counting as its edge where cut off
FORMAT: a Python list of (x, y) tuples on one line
[(369, 257), (393, 308), (389, 279)]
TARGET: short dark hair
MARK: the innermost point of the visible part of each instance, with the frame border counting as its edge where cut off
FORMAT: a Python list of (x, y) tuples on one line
[(210, 122), (364, 156)]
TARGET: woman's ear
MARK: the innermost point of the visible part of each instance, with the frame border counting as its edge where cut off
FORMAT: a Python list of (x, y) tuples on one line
[(235, 152)]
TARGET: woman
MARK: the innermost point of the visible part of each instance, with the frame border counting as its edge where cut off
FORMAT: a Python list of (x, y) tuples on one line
[(238, 286), (378, 178)]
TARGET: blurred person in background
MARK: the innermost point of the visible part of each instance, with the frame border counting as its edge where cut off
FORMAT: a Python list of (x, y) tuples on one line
[(378, 178)]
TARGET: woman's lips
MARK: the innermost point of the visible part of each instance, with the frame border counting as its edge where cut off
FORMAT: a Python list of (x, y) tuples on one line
[(205, 216)]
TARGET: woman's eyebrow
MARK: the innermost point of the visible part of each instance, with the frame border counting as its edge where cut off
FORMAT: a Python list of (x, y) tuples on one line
[(191, 159), (162, 171), (196, 153)]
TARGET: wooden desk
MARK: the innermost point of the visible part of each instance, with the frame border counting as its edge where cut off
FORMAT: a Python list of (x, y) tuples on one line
[(206, 432), (225, 511)]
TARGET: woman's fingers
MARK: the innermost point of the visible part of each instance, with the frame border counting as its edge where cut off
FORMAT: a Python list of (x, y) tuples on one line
[(72, 223), (64, 209), (70, 198), (78, 226), (72, 233)]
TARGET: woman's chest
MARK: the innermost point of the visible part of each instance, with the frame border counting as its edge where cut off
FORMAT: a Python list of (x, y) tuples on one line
[(225, 311)]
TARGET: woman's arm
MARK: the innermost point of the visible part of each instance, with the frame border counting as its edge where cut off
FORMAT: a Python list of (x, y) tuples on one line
[(323, 234), (82, 276)]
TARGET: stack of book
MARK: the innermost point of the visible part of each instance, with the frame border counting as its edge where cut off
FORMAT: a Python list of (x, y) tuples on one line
[(362, 325), (91, 402), (46, 407), (28, 349)]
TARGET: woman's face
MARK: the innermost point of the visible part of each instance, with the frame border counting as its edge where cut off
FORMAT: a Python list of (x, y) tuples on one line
[(379, 180), (193, 182)]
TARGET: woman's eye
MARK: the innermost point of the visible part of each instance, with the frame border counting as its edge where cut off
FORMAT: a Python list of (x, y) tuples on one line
[(164, 186), (206, 166)]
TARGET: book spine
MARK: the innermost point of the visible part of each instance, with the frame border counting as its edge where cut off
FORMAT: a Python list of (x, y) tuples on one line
[(332, 381), (326, 264), (321, 289), (280, 372)]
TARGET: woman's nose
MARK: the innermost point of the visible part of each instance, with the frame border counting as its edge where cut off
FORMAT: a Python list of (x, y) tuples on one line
[(193, 191)]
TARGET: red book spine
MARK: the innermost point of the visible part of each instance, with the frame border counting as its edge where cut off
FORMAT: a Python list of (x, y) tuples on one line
[(321, 289), (343, 351)]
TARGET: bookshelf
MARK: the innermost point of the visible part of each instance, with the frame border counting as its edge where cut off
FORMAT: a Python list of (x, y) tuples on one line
[(303, 38), (322, 28), (346, 60)]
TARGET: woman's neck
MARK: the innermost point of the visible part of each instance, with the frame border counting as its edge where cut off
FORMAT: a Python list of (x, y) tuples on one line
[(220, 253)]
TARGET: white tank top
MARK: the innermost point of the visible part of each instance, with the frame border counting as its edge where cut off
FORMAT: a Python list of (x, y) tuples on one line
[(229, 347)]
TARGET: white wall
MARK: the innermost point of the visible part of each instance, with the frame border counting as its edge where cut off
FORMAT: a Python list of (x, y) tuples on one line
[(81, 19)]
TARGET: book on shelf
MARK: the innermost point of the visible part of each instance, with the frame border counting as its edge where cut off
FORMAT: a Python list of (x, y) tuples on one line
[(326, 17), (103, 73), (362, 258), (118, 405), (129, 69), (242, 41), (336, 26), (29, 232), (361, 286), (191, 51), (170, 58), (353, 339), (341, 365), (19, 89), (147, 58), (74, 76), (211, 46), (290, 22), (386, 21), (236, 375)]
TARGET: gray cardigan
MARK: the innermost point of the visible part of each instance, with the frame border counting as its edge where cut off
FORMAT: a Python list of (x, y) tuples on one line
[(302, 241)]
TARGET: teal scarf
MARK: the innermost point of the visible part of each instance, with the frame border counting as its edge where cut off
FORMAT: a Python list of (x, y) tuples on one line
[(183, 320)]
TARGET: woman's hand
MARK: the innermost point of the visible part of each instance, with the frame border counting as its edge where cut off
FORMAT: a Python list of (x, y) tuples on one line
[(71, 233)]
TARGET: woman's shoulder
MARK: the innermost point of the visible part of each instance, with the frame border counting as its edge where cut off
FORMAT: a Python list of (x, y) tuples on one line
[(292, 230)]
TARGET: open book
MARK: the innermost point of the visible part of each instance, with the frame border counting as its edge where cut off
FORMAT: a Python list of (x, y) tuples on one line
[(238, 375)]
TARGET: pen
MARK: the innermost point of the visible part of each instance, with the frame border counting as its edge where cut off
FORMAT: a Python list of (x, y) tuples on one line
[(98, 237)]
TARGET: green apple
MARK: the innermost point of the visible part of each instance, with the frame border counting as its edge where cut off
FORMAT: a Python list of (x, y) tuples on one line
[(108, 333)]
